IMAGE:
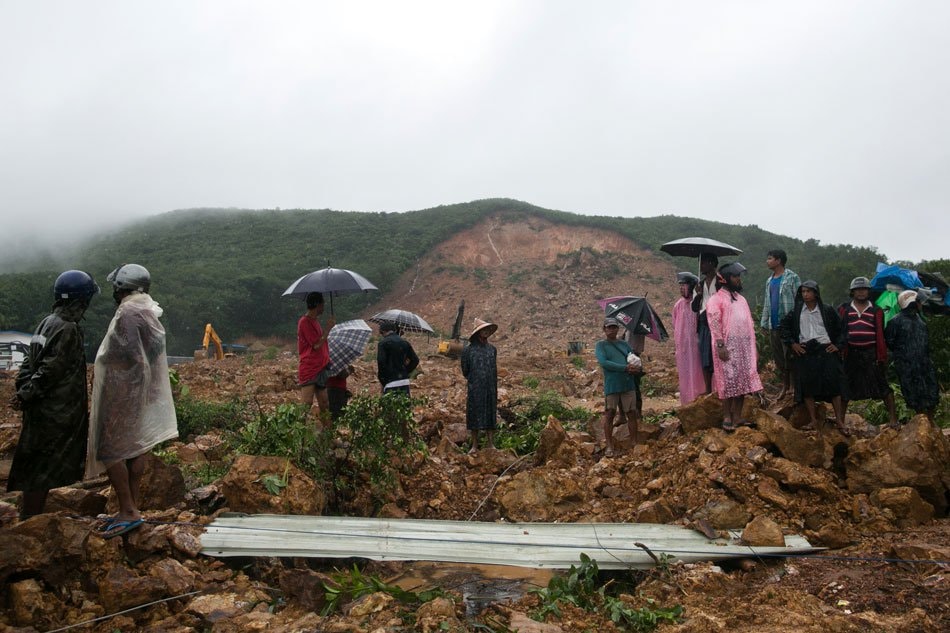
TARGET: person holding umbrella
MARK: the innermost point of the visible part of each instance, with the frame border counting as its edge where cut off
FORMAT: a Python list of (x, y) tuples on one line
[(312, 374), (621, 382), (705, 290), (732, 332), (480, 368), (395, 359)]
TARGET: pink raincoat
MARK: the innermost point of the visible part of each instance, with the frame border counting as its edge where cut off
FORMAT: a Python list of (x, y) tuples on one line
[(730, 321), (688, 365)]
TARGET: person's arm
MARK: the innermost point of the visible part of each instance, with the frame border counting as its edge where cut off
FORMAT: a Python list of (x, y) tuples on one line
[(606, 363), (53, 364), (412, 360), (382, 362), (717, 329), (765, 320), (466, 361), (880, 344)]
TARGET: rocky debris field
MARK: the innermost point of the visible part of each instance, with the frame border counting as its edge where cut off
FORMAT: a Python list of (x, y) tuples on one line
[(876, 500)]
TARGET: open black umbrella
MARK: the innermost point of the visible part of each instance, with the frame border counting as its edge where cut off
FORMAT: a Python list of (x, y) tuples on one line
[(696, 246), (407, 321), (332, 281), (637, 315)]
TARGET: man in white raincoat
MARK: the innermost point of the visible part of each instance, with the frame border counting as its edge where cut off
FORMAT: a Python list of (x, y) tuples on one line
[(132, 405)]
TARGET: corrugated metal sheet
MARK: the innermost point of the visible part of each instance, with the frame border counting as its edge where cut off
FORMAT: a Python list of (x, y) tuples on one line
[(550, 545)]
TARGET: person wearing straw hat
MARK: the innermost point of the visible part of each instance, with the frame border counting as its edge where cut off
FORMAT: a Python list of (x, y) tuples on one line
[(865, 353), (907, 337), (480, 368)]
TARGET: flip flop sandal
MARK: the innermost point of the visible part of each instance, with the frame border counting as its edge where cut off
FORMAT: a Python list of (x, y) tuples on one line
[(747, 423), (122, 527), (105, 523), (728, 426)]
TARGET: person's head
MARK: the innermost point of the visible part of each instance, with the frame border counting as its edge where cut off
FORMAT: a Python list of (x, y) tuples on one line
[(860, 289), (388, 327), (483, 329), (907, 299), (776, 258), (708, 263), (810, 292), (129, 279), (315, 300), (730, 276), (74, 288), (687, 282), (611, 328)]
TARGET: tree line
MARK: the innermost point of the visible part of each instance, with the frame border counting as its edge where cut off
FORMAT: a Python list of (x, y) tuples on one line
[(229, 267)]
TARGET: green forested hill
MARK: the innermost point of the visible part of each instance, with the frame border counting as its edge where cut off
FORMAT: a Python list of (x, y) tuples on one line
[(229, 267)]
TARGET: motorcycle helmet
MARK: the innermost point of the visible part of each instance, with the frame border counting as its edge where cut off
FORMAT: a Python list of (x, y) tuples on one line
[(75, 284), (130, 277)]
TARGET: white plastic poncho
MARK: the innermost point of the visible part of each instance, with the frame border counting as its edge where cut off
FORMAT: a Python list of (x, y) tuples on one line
[(132, 405)]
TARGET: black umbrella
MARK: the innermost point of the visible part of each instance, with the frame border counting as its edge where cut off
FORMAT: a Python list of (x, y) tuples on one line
[(407, 321), (637, 315), (332, 281), (696, 246)]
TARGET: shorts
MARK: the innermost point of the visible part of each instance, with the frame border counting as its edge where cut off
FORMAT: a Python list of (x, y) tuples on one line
[(626, 401), (319, 381)]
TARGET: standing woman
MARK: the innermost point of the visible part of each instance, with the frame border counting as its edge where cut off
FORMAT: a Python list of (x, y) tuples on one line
[(314, 353), (480, 367), (51, 391), (689, 367)]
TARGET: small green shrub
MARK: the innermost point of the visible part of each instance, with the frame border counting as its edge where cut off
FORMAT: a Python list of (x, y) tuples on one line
[(197, 417), (287, 432), (578, 362), (581, 587), (530, 415), (531, 382), (350, 585)]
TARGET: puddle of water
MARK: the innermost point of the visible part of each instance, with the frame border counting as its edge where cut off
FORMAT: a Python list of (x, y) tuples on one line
[(480, 585)]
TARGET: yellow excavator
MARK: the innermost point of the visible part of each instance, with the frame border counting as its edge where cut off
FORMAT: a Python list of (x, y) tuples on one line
[(210, 337), (454, 347)]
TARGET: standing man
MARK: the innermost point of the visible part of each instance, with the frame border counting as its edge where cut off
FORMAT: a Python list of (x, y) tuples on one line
[(621, 383), (51, 391), (688, 366), (395, 359), (733, 336), (865, 353), (480, 368), (314, 356), (816, 335), (132, 406), (704, 292), (907, 338), (780, 290)]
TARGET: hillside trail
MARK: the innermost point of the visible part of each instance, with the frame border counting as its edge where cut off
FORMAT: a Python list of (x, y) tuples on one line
[(540, 282)]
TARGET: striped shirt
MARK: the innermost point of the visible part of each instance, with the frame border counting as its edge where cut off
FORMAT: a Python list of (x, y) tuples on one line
[(862, 331)]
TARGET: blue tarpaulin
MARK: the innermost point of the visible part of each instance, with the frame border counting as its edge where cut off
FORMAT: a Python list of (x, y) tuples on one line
[(895, 275)]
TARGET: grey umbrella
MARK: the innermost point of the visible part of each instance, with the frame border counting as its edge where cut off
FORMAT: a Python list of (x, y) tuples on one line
[(332, 281), (408, 321)]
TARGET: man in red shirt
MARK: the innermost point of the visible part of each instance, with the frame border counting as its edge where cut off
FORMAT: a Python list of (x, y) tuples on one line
[(314, 355)]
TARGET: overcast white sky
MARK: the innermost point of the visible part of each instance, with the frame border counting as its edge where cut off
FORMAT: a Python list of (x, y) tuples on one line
[(823, 119)]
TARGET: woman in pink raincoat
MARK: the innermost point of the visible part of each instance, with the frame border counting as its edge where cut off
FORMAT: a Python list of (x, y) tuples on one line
[(688, 366), (735, 371)]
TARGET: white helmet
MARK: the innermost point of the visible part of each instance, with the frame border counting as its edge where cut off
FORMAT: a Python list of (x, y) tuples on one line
[(130, 277)]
